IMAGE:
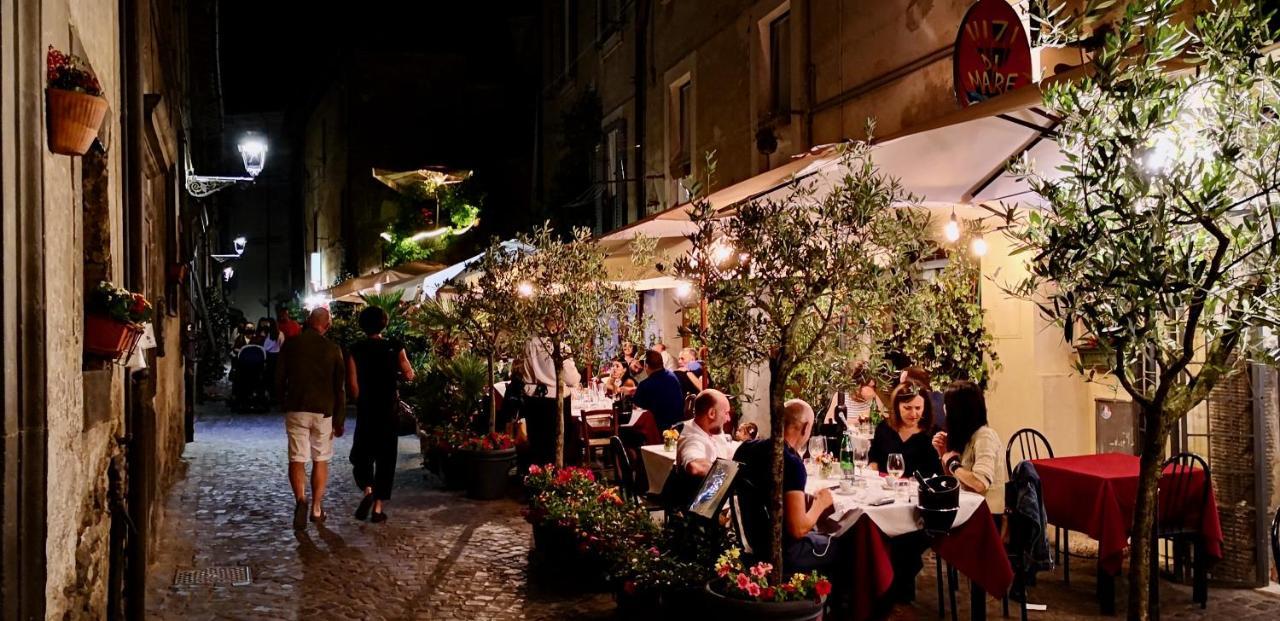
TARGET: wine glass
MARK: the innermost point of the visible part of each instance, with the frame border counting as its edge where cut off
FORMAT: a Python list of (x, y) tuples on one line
[(860, 449), (817, 446), (896, 466)]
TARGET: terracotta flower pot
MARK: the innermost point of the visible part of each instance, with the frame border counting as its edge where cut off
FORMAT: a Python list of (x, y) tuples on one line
[(74, 119), (743, 610), (108, 338)]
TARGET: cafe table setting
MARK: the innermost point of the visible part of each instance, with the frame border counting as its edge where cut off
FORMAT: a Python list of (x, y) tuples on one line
[(870, 510)]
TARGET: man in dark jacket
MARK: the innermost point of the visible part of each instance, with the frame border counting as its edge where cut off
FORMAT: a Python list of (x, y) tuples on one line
[(310, 380), (660, 392)]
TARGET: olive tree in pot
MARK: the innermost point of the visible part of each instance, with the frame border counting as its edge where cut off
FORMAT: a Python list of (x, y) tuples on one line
[(1160, 233), (781, 275), (481, 312), (563, 303)]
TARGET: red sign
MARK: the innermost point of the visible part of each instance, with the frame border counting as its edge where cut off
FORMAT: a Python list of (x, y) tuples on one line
[(993, 55)]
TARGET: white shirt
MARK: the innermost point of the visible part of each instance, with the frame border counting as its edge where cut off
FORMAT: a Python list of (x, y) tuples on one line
[(695, 443), (668, 361), (542, 369)]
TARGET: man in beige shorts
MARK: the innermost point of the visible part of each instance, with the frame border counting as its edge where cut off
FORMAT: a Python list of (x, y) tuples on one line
[(310, 380)]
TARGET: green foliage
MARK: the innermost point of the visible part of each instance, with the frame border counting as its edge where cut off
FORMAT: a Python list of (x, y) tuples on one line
[(1160, 240), (212, 354), (940, 327), (450, 393), (797, 281), (428, 207)]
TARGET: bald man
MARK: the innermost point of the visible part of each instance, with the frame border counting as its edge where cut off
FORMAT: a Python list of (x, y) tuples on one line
[(310, 380), (702, 441), (803, 548)]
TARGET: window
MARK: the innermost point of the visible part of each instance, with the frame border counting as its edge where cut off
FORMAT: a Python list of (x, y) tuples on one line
[(569, 36), (615, 176), (780, 65), (683, 138)]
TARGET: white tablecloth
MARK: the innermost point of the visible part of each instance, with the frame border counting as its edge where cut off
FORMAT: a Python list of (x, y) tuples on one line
[(897, 518), (659, 461)]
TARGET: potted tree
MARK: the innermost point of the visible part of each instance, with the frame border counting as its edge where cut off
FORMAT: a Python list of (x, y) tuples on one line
[(779, 277), (481, 313), (1160, 234), (112, 323), (564, 302), (75, 104)]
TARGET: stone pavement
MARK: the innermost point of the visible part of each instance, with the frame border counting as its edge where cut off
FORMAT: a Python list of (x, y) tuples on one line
[(439, 556)]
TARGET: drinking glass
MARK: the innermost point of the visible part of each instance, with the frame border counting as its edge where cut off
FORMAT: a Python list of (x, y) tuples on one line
[(860, 450), (896, 467), (817, 446)]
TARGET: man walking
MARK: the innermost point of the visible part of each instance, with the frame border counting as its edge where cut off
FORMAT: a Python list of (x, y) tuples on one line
[(310, 380)]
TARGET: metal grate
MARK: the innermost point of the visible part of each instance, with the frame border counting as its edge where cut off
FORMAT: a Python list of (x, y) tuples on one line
[(234, 576)]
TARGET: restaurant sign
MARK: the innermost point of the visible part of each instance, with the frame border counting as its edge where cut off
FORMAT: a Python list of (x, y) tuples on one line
[(992, 55)]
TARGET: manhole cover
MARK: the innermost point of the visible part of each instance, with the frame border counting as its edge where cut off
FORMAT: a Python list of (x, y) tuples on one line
[(234, 576)]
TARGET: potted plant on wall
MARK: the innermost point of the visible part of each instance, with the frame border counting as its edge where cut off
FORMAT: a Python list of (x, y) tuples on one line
[(113, 318), (75, 104)]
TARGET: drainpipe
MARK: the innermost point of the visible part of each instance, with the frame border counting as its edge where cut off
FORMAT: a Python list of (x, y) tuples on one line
[(641, 102), (137, 440)]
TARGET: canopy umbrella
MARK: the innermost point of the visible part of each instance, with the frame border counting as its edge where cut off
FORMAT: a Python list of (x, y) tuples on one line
[(350, 289)]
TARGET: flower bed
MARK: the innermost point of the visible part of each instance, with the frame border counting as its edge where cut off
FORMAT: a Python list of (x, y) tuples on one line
[(608, 542)]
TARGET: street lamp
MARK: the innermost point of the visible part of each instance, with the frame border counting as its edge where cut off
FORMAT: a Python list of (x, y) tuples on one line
[(253, 154)]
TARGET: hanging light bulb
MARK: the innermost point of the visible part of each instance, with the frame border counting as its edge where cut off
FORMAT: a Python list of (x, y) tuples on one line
[(952, 229), (683, 289), (979, 247)]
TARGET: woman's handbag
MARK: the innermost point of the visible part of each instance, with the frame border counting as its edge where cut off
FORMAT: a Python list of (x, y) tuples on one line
[(406, 422)]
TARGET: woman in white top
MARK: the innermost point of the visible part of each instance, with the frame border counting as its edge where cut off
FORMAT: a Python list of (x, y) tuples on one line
[(970, 449), (857, 403)]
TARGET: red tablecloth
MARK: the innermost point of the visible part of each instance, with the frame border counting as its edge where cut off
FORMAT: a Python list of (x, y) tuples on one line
[(1096, 494), (974, 549)]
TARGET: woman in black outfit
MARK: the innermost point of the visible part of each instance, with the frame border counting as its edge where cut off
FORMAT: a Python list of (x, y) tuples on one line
[(908, 430), (374, 367)]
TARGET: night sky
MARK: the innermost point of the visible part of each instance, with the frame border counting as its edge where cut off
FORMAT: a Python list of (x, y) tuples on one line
[(277, 59)]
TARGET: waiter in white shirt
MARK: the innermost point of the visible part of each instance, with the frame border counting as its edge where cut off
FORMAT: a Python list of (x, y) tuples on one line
[(540, 404), (702, 441)]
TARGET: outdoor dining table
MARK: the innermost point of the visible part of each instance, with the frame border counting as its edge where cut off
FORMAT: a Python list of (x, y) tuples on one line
[(973, 546), (1096, 495), (658, 462)]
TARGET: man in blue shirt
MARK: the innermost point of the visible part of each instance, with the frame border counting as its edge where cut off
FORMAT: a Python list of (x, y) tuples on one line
[(660, 392)]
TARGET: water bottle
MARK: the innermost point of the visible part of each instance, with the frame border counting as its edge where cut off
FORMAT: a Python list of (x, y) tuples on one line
[(847, 466)]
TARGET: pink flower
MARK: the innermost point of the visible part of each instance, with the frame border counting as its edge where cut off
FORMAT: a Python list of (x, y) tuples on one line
[(743, 581), (753, 589), (761, 570), (535, 470), (723, 570)]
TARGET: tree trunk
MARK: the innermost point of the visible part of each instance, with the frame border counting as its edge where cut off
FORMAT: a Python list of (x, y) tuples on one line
[(493, 405), (559, 411), (1141, 541), (777, 393)]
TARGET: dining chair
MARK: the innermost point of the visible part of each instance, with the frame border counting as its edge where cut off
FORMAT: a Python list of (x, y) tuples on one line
[(626, 476), (1176, 494), (596, 428), (1031, 444)]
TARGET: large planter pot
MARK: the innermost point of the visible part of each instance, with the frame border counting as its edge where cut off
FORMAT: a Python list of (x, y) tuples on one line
[(648, 605), (107, 338), (559, 565), (454, 467), (743, 610), (74, 119), (488, 472)]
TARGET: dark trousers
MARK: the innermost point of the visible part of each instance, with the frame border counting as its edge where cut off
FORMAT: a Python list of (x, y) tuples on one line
[(374, 452), (905, 554), (540, 424)]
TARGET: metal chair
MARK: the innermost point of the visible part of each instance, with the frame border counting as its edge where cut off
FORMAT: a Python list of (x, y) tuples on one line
[(1179, 474), (626, 476), (1032, 444)]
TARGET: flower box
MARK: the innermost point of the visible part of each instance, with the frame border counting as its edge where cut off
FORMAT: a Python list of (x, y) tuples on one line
[(74, 119), (107, 338)]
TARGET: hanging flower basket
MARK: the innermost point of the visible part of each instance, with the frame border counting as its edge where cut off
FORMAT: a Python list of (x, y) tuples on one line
[(107, 338), (75, 103), (74, 119)]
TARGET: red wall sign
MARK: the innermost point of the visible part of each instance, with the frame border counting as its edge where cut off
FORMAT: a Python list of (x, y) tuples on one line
[(993, 55)]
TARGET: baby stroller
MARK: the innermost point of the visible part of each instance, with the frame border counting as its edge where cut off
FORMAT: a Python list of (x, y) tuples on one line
[(249, 379)]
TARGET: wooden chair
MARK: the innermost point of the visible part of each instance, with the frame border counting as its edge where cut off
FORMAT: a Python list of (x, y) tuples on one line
[(595, 428), (1176, 493), (1031, 444)]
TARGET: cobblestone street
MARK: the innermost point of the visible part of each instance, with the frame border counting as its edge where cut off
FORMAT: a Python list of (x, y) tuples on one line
[(439, 556)]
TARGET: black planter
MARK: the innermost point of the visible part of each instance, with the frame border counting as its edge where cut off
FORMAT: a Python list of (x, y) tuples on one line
[(648, 605), (560, 566), (743, 610), (487, 473), (454, 466)]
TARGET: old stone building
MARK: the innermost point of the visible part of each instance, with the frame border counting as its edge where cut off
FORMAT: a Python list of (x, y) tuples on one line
[(89, 445)]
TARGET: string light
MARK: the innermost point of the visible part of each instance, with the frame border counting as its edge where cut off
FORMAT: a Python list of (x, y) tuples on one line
[(979, 247), (683, 289), (952, 229)]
